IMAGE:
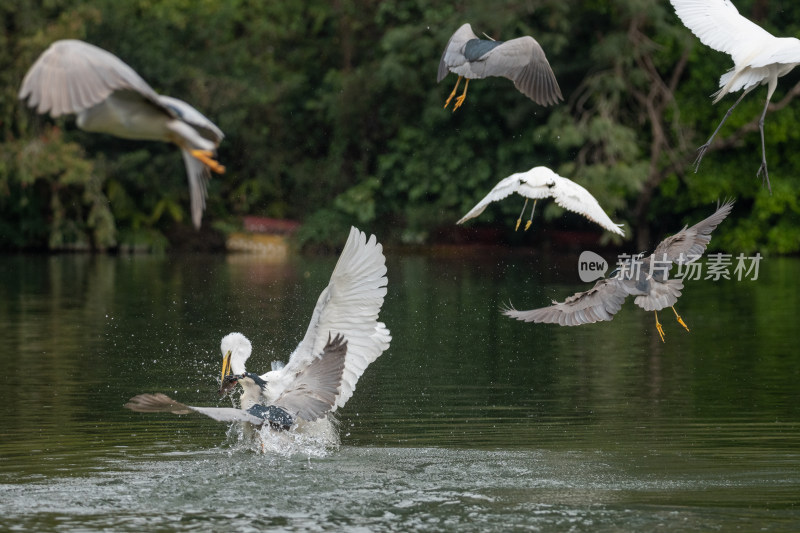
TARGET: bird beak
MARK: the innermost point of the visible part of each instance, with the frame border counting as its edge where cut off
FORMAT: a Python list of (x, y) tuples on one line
[(226, 365)]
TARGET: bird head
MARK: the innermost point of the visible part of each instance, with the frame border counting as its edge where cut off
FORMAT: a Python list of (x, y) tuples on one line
[(230, 381), (236, 350)]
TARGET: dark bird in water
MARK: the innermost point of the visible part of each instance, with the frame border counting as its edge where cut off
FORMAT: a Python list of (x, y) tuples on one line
[(310, 395), (521, 60), (647, 278), (108, 96)]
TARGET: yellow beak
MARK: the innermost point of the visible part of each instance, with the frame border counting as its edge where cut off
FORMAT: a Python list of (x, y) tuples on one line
[(226, 365)]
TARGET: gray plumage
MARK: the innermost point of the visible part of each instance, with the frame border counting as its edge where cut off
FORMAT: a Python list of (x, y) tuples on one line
[(653, 292), (311, 395), (108, 96), (521, 60)]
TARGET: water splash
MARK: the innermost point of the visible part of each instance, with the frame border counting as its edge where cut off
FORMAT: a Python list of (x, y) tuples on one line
[(311, 439)]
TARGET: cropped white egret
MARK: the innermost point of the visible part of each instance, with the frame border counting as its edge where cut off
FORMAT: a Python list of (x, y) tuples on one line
[(759, 57), (647, 278), (308, 396), (108, 96), (521, 60), (349, 305), (541, 182)]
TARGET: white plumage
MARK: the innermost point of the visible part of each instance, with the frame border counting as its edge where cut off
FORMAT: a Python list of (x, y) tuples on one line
[(758, 56), (541, 182), (108, 96), (349, 306)]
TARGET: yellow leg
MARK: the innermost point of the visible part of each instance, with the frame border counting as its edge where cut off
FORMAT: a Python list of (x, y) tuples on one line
[(519, 220), (530, 221), (452, 94), (460, 99), (680, 320), (207, 158), (659, 328)]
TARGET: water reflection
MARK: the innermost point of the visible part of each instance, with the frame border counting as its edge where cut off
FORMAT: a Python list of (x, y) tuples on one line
[(603, 420)]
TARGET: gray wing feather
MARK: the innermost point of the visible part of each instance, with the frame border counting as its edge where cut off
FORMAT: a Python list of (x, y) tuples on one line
[(691, 242), (313, 392), (600, 303), (161, 403), (72, 76), (199, 176), (523, 61), (453, 54), (661, 294)]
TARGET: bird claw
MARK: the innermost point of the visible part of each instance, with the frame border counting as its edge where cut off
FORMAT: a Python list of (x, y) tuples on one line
[(459, 101), (700, 153), (528, 225), (765, 177), (660, 331), (681, 322), (207, 158)]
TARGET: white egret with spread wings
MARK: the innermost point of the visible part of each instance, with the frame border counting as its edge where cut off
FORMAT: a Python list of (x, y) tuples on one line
[(108, 96), (759, 57), (539, 183)]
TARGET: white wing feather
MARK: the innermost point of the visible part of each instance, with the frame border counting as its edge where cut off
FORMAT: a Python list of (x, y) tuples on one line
[(503, 189), (718, 24), (72, 76), (349, 305), (575, 198)]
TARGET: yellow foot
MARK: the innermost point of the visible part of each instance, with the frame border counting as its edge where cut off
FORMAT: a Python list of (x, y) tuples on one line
[(659, 328), (459, 101), (680, 320), (207, 158), (519, 220), (528, 224)]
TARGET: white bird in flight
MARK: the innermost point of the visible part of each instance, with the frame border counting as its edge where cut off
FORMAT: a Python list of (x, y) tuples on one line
[(349, 305), (309, 396), (521, 60), (108, 96), (541, 182), (758, 57)]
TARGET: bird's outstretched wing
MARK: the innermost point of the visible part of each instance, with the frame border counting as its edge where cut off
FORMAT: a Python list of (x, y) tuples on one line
[(161, 403), (72, 76), (718, 24), (689, 244), (453, 55), (349, 305), (523, 61), (503, 189), (600, 303), (313, 392), (575, 198)]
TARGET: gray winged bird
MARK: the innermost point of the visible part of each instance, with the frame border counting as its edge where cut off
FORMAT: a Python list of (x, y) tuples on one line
[(310, 394), (108, 96), (539, 183), (646, 278), (521, 60)]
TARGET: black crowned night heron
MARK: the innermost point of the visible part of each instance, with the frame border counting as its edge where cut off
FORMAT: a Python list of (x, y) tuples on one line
[(308, 396), (651, 286), (541, 182), (349, 305), (108, 96), (521, 60), (758, 57)]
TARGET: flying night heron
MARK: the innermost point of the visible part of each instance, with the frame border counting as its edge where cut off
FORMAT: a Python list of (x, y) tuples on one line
[(350, 305), (309, 395), (108, 96), (539, 183), (651, 286), (521, 60), (759, 57)]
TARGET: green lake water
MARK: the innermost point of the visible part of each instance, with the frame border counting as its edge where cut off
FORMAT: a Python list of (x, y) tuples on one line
[(470, 421)]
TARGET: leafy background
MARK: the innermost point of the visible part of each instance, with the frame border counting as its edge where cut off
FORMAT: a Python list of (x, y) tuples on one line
[(333, 117)]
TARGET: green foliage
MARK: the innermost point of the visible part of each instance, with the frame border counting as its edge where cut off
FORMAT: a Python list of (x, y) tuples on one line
[(332, 116)]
